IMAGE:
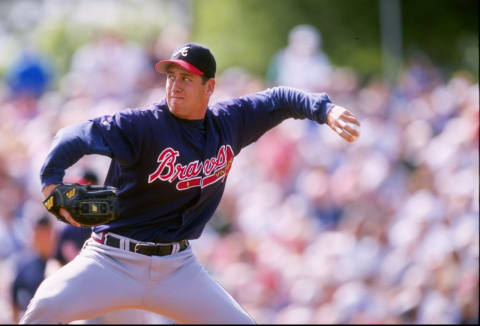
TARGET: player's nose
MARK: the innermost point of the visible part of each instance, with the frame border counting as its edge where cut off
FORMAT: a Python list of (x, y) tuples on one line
[(176, 88)]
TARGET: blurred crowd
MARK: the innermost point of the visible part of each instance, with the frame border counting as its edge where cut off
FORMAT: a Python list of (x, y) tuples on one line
[(311, 229)]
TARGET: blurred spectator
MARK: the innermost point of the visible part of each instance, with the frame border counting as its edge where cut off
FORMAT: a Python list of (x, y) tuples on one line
[(108, 67), (302, 64), (30, 75), (89, 177), (31, 265), (12, 198), (27, 80)]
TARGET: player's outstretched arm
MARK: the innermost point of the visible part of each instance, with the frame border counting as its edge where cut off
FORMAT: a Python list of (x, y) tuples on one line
[(344, 123)]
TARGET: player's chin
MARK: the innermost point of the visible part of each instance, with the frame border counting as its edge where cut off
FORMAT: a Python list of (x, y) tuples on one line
[(175, 105), (177, 110)]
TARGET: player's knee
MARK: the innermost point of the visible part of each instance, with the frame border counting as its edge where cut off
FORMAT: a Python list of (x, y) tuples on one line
[(42, 311)]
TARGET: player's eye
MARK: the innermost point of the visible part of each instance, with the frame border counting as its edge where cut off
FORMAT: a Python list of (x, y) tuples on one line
[(171, 77), (186, 79)]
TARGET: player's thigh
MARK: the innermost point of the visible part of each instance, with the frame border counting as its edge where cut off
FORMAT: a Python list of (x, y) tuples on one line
[(84, 288), (191, 295)]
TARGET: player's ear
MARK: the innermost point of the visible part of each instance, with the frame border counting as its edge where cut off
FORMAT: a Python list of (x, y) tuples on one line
[(210, 86)]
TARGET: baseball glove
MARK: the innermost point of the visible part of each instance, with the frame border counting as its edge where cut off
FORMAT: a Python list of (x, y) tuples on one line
[(88, 205)]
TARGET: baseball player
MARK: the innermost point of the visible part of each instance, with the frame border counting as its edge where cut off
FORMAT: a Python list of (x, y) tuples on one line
[(169, 165)]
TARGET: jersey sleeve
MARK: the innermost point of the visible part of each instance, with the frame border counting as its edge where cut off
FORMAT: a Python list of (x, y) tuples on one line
[(111, 136), (122, 134), (249, 117)]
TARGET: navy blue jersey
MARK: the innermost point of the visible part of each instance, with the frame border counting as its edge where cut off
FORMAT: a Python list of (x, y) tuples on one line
[(170, 173)]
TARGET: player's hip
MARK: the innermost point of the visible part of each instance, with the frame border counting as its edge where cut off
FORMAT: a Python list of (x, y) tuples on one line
[(120, 255)]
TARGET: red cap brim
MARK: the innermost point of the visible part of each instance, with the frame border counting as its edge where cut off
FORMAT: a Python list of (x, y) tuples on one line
[(162, 66)]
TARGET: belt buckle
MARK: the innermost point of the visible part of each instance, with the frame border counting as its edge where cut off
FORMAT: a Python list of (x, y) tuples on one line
[(145, 249)]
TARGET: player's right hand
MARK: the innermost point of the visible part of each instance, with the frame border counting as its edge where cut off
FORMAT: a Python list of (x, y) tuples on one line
[(344, 123), (46, 192)]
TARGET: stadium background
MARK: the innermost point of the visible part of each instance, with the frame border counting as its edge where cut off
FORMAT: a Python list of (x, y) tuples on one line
[(310, 229)]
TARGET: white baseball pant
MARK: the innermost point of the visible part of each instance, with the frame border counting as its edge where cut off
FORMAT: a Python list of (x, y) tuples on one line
[(102, 279)]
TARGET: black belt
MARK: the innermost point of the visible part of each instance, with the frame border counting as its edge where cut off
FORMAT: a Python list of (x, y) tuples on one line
[(145, 248)]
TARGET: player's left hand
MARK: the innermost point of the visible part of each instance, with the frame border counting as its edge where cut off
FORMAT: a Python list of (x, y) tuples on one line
[(82, 205), (47, 190), (344, 123)]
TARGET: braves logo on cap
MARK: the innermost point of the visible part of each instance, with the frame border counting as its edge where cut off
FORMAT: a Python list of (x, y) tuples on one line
[(183, 51)]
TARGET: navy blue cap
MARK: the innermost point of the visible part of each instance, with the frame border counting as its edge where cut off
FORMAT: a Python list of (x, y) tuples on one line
[(193, 57)]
